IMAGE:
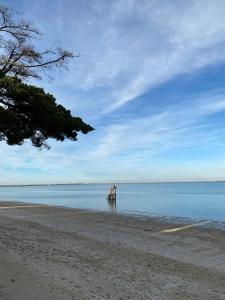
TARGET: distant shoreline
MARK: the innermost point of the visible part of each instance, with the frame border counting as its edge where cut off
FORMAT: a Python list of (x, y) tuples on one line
[(109, 183)]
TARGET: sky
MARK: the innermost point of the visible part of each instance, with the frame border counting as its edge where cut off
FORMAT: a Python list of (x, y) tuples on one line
[(150, 78)]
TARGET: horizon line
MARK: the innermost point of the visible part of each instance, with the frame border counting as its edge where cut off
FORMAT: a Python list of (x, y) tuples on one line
[(114, 182)]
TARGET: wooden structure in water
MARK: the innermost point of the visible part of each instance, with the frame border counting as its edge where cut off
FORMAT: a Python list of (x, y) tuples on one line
[(112, 196)]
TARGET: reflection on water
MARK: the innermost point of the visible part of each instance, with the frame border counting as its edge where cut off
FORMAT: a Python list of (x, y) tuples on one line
[(112, 198), (112, 203)]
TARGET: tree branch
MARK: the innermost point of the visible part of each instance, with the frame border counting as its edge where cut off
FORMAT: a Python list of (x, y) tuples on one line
[(19, 57)]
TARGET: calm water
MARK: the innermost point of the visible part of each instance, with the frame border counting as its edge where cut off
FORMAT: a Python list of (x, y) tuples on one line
[(189, 200)]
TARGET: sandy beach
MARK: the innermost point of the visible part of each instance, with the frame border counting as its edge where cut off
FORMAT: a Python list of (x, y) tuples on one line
[(59, 253)]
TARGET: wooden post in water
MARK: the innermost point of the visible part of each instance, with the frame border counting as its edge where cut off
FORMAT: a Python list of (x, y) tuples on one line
[(112, 196)]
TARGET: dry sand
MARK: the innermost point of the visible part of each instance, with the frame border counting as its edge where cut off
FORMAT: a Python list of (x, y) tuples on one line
[(58, 253)]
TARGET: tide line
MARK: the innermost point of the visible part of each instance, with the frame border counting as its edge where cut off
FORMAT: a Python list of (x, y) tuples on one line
[(184, 227), (20, 206)]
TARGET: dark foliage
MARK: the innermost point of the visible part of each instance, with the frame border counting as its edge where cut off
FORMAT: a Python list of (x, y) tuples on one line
[(27, 112)]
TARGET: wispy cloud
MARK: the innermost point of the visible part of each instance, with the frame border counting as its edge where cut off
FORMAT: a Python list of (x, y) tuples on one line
[(128, 47), (179, 126)]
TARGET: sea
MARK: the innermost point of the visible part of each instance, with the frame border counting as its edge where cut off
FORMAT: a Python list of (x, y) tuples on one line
[(190, 200)]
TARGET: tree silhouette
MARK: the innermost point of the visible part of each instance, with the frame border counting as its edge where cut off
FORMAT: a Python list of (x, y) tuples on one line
[(26, 111)]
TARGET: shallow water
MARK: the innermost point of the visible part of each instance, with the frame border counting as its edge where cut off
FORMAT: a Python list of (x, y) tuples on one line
[(185, 200)]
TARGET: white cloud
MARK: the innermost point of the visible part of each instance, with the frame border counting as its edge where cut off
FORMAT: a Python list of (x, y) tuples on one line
[(177, 127), (128, 47), (183, 38)]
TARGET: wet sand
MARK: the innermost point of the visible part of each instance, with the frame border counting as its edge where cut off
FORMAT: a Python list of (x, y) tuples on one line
[(59, 253)]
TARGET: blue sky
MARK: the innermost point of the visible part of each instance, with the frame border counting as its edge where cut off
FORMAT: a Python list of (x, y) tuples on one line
[(151, 80)]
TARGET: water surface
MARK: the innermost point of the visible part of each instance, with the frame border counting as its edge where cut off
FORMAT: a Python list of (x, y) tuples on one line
[(185, 200)]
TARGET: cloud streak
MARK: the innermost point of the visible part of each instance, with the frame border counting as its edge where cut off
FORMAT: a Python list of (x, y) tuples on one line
[(129, 47), (178, 127)]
